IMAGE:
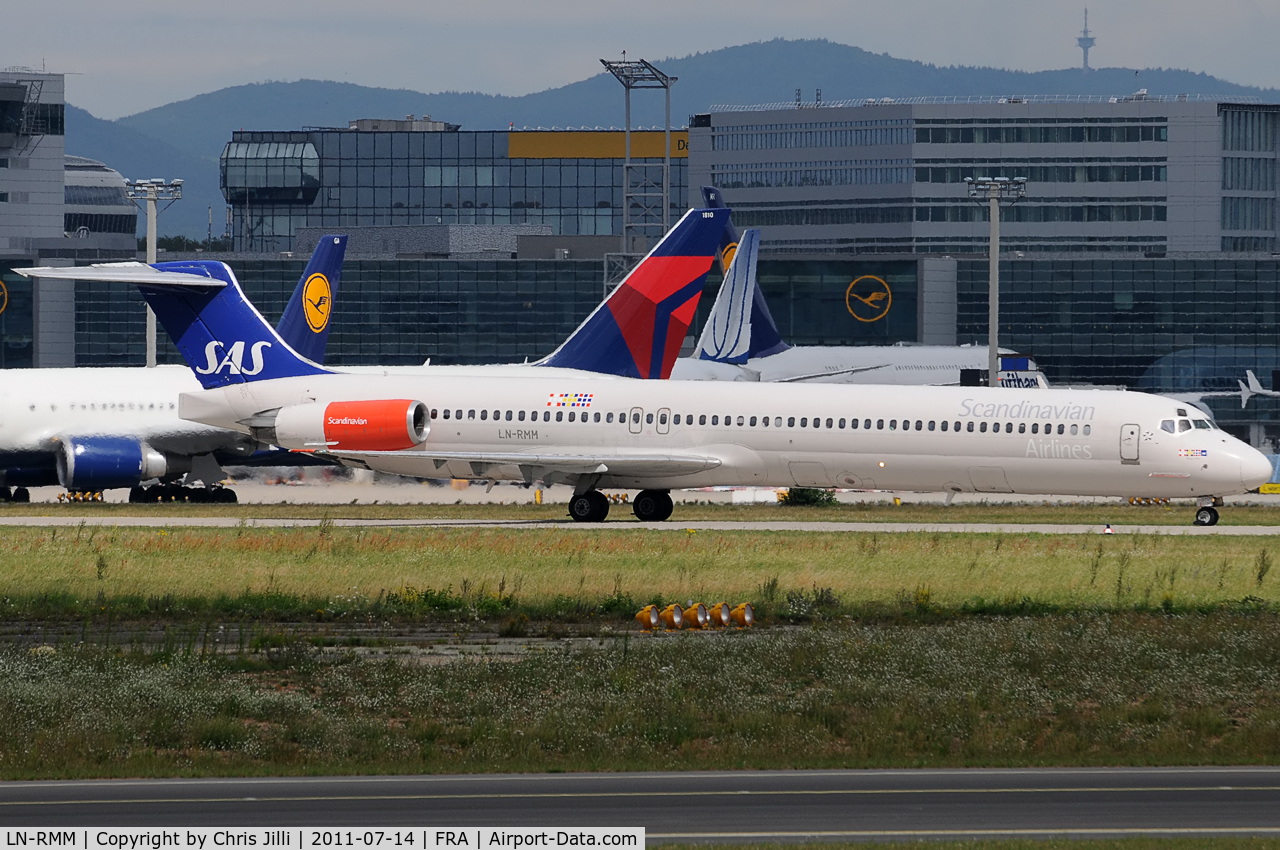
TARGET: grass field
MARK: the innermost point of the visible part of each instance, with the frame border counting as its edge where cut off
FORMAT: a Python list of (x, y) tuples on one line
[(330, 572), (1092, 689), (878, 510)]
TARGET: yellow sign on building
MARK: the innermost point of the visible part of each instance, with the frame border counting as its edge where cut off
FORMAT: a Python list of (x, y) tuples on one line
[(593, 144)]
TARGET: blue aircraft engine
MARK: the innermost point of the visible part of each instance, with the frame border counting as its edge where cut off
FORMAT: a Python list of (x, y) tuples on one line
[(101, 463)]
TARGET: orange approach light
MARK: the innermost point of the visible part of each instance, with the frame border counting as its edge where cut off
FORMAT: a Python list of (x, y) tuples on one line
[(672, 617), (719, 614), (696, 616), (647, 617), (744, 615)]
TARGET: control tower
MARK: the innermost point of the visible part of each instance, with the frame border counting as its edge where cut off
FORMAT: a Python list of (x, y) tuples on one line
[(1085, 41)]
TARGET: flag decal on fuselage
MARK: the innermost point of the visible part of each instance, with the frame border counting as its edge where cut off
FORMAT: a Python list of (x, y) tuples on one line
[(570, 399)]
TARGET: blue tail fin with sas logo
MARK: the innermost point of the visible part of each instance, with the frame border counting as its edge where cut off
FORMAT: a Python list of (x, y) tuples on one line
[(222, 336), (304, 325), (765, 338)]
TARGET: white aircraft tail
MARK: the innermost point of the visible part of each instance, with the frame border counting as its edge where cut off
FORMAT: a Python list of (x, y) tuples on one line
[(726, 338)]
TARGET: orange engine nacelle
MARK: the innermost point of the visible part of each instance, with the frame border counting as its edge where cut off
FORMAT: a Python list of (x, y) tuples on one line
[(377, 425)]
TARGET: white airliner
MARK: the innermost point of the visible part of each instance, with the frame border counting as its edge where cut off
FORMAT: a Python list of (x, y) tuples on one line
[(93, 429), (655, 436)]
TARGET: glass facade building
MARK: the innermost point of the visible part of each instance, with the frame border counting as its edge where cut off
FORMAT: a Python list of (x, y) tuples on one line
[(394, 174), (1124, 174)]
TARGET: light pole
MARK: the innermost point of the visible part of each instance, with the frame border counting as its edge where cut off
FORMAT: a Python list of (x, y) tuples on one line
[(155, 189), (995, 189)]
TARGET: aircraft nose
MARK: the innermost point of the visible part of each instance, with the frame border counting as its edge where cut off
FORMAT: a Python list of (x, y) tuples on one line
[(1255, 469)]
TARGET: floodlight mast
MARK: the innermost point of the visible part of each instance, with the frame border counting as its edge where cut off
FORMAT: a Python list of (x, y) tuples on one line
[(642, 75), (155, 189), (994, 189)]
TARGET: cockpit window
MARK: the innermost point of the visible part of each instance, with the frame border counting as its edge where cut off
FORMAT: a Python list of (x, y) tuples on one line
[(1167, 425), (1183, 425), (1202, 424)]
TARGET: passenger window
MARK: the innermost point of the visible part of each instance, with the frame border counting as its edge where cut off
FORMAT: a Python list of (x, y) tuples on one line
[(572, 414), (1073, 430), (764, 420), (702, 419), (546, 416), (829, 423), (662, 419), (1086, 430), (608, 417), (866, 424), (791, 422), (559, 415), (484, 415), (434, 412), (753, 422), (508, 416), (1202, 424), (970, 428), (635, 418), (893, 424), (1035, 427), (777, 421), (740, 421), (944, 425), (715, 420), (1022, 427), (446, 414), (919, 425), (853, 423), (520, 416), (804, 421), (676, 419), (879, 424), (648, 419), (983, 427), (597, 417), (930, 424), (1061, 429), (956, 427)]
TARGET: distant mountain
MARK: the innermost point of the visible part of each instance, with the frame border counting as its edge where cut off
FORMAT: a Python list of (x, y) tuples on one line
[(751, 73)]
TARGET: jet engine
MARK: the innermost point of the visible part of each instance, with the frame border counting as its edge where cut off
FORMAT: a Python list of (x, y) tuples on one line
[(101, 463), (377, 425)]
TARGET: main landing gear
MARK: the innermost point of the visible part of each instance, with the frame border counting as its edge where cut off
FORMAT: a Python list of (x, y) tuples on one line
[(178, 493), (648, 506), (1207, 510), (18, 494), (652, 505), (591, 506)]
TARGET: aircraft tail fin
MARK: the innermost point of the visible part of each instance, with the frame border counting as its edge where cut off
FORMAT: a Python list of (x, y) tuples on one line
[(638, 330), (765, 338), (304, 325), (222, 336), (726, 336)]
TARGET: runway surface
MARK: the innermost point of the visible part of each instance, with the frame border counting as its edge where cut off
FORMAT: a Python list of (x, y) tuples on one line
[(635, 525), (742, 806)]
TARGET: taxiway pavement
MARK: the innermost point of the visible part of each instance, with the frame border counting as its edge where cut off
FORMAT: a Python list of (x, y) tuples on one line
[(730, 806)]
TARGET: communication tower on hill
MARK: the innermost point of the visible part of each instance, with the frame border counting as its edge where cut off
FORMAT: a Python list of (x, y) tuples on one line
[(1085, 41)]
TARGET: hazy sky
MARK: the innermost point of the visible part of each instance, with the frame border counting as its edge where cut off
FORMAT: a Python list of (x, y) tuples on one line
[(125, 56)]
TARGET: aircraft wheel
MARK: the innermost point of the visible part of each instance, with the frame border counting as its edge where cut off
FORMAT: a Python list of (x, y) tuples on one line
[(1206, 516), (137, 494), (591, 506), (225, 496), (22, 495), (652, 505)]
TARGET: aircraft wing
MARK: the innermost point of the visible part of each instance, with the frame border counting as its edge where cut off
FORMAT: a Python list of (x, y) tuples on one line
[(852, 370), (573, 464), (124, 273)]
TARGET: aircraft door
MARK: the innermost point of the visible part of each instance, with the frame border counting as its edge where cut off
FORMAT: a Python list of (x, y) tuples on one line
[(664, 420), (636, 424), (1129, 443)]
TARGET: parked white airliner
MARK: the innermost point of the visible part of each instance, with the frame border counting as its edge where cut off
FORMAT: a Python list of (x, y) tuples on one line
[(655, 436)]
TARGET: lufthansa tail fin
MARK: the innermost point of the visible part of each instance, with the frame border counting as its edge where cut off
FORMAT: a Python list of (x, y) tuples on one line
[(223, 338), (765, 338), (638, 330), (304, 325)]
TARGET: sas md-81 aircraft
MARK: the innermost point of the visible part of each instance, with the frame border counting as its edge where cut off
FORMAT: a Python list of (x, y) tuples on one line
[(655, 436), (92, 429)]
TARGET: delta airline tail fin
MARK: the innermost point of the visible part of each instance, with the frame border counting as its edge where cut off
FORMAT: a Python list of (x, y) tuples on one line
[(638, 330), (223, 337), (305, 321), (764, 338)]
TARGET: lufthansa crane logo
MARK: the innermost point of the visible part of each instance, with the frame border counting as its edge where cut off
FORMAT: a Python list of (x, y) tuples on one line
[(868, 298), (4, 297), (317, 302)]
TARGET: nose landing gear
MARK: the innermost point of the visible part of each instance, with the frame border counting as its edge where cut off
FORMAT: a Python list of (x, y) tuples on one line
[(1206, 516)]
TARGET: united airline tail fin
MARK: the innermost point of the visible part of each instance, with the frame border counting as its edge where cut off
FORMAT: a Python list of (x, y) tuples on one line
[(304, 325), (727, 334), (764, 337), (223, 338), (638, 330)]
